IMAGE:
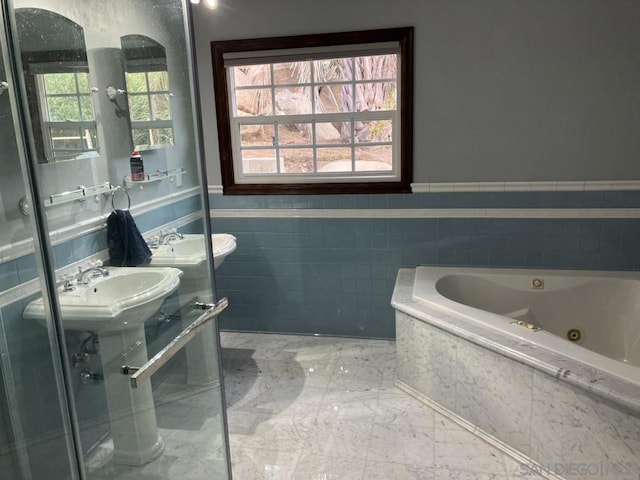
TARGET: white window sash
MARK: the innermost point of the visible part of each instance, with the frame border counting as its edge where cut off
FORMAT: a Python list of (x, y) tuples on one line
[(288, 55), (316, 177), (237, 59), (366, 115), (140, 124), (316, 84)]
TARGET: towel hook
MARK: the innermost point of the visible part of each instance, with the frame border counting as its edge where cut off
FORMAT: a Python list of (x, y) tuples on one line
[(113, 194)]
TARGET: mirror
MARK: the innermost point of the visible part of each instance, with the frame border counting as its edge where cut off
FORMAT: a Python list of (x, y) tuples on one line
[(56, 74), (149, 97)]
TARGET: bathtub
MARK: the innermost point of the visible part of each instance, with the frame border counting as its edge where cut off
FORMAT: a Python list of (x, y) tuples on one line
[(543, 364), (591, 317)]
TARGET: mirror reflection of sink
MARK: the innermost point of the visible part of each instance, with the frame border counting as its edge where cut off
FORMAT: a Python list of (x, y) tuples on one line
[(125, 298), (188, 252)]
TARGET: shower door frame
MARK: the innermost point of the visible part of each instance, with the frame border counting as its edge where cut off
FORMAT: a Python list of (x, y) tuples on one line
[(43, 250)]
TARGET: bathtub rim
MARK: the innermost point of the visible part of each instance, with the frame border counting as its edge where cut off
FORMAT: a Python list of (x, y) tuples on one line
[(550, 341), (591, 379)]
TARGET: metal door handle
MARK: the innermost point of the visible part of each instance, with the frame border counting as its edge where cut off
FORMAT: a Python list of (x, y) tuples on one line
[(163, 356)]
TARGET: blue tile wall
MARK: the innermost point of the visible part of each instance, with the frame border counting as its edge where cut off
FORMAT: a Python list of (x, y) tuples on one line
[(27, 268), (160, 216), (8, 275), (33, 373), (335, 276)]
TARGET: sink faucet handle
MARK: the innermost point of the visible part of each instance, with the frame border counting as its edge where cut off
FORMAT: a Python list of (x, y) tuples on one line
[(153, 241), (66, 277), (68, 282)]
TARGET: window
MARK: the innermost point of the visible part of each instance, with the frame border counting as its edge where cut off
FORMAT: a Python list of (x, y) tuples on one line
[(325, 113), (68, 121)]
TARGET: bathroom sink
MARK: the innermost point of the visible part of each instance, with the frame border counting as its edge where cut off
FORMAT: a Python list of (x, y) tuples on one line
[(189, 255), (127, 297), (188, 252)]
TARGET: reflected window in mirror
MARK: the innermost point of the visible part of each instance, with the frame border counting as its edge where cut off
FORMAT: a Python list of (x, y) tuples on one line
[(148, 92), (56, 74), (69, 127)]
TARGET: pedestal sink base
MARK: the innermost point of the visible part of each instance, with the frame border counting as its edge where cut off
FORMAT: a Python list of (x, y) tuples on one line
[(202, 364), (131, 411), (141, 457)]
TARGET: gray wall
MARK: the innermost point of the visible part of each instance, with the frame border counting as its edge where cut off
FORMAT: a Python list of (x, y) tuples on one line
[(505, 90)]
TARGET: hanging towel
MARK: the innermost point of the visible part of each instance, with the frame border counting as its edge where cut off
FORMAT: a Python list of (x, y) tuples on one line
[(127, 248)]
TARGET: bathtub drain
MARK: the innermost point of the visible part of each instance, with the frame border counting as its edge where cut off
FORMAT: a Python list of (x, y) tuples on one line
[(574, 335)]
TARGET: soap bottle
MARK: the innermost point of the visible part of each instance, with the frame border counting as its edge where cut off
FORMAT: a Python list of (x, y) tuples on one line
[(137, 167)]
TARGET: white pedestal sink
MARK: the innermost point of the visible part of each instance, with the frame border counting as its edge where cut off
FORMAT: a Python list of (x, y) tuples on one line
[(188, 254), (116, 307)]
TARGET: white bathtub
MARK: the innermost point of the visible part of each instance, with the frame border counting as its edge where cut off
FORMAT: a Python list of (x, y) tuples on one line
[(604, 307), (558, 407)]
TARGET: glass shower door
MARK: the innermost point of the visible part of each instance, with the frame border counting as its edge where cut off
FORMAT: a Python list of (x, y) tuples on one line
[(37, 439), (129, 259)]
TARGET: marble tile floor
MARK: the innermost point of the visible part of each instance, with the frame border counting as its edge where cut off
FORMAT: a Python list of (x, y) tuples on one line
[(190, 423), (322, 408)]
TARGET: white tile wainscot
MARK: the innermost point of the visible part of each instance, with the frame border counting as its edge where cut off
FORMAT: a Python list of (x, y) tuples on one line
[(551, 426)]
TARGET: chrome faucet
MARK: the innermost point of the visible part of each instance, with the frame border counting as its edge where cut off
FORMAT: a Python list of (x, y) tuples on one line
[(153, 242), (167, 236), (94, 270), (68, 282)]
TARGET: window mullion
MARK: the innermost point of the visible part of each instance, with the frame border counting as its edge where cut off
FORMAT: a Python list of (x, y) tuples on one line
[(354, 101), (313, 88), (77, 95), (353, 145), (276, 139), (148, 93), (315, 146)]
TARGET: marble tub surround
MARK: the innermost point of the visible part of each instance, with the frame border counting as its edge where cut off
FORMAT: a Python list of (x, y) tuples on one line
[(606, 386), (572, 421), (307, 407)]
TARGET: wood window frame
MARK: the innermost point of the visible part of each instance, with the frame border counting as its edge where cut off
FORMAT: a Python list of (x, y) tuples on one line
[(404, 37)]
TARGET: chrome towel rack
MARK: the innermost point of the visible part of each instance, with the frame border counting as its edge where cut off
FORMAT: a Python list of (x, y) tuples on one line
[(144, 372), (80, 194)]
